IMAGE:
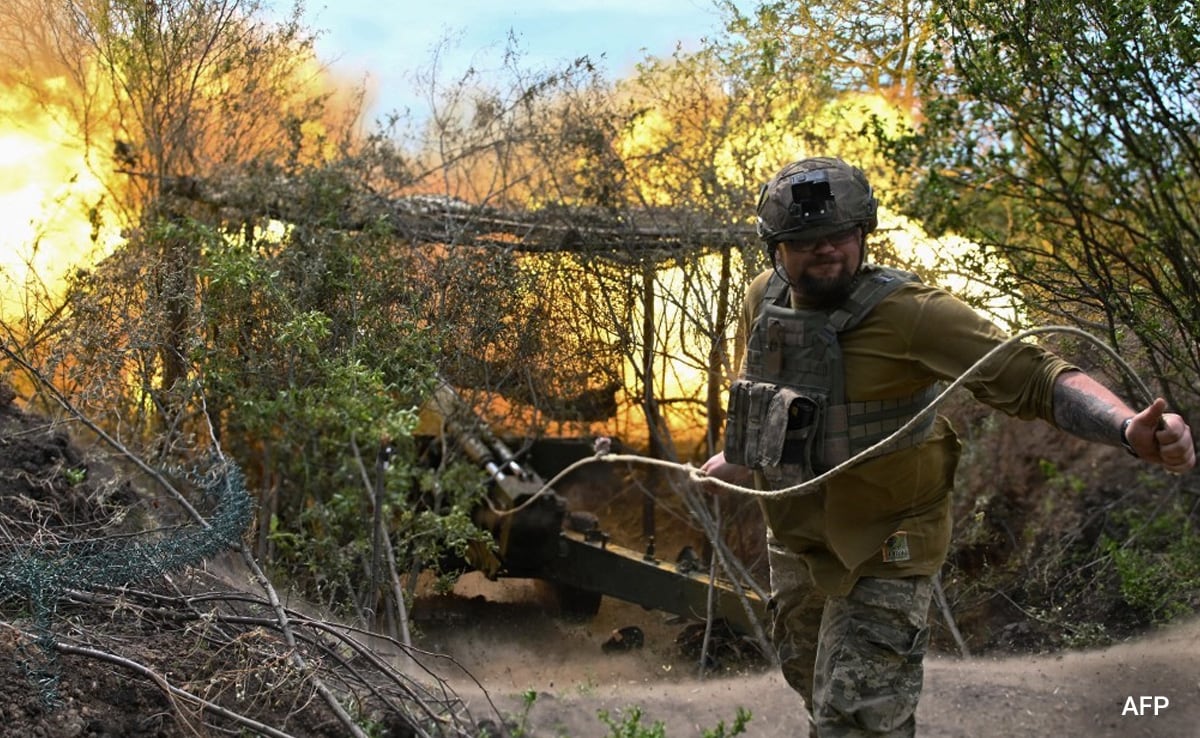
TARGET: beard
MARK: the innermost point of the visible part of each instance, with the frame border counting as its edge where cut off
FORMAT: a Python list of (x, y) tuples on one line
[(826, 291)]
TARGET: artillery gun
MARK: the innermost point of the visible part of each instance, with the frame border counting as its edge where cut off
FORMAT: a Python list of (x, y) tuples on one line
[(538, 537)]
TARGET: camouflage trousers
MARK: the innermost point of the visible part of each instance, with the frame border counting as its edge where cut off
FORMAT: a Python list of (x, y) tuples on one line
[(856, 660)]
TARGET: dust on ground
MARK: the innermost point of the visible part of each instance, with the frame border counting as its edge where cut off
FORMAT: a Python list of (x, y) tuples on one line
[(515, 644)]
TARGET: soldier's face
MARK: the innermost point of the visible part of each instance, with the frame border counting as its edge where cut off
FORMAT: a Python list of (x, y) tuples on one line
[(821, 270)]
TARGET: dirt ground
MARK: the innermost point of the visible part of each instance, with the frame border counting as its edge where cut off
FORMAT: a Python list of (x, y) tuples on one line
[(510, 651), (1080, 693)]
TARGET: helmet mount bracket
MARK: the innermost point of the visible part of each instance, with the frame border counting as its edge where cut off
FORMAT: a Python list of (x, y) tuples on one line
[(812, 198)]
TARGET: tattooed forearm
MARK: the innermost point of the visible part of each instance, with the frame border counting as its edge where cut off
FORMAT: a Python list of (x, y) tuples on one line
[(1087, 410)]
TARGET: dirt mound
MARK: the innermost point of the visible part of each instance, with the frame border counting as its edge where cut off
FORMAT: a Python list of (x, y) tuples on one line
[(46, 485), (191, 653)]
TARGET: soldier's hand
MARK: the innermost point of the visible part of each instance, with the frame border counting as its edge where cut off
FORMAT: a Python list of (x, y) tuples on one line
[(718, 468), (1162, 438)]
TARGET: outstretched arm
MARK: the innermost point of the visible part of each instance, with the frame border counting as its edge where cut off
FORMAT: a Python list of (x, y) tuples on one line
[(1087, 409)]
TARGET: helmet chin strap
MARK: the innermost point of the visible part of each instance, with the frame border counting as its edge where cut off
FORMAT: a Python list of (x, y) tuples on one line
[(780, 270)]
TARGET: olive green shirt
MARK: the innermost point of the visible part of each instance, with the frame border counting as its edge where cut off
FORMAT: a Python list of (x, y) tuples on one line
[(914, 337)]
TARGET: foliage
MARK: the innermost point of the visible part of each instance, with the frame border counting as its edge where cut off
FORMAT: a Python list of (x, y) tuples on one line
[(528, 698), (324, 383), (1061, 140), (1158, 563), (739, 725), (305, 357), (189, 88), (629, 724)]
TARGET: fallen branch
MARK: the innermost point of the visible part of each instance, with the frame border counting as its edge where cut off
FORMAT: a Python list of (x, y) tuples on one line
[(170, 690)]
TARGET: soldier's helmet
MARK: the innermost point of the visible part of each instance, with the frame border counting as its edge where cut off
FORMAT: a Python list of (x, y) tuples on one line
[(813, 198)]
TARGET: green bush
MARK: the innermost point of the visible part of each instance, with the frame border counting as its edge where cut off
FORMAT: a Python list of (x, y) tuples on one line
[(313, 346), (1159, 564)]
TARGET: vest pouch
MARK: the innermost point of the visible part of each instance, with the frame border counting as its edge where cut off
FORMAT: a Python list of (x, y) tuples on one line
[(748, 402), (804, 414), (790, 428), (735, 422)]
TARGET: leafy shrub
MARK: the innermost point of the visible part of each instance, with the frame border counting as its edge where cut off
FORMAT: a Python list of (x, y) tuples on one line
[(1159, 563)]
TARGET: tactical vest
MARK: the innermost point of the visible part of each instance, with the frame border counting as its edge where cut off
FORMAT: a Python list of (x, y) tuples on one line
[(788, 413)]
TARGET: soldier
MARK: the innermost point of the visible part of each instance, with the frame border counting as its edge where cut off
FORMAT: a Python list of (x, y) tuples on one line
[(839, 354)]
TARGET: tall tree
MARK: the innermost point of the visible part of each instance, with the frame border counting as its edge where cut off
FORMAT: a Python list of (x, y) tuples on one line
[(1062, 139), (175, 93)]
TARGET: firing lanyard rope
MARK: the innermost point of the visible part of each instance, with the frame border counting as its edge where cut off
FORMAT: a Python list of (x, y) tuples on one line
[(814, 484)]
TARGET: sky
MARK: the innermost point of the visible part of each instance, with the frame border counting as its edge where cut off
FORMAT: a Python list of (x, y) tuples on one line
[(386, 43)]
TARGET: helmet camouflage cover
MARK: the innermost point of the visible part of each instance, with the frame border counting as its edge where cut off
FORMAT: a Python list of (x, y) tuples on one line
[(813, 198)]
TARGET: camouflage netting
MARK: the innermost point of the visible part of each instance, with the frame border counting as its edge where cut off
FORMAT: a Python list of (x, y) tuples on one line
[(41, 573), (36, 569)]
